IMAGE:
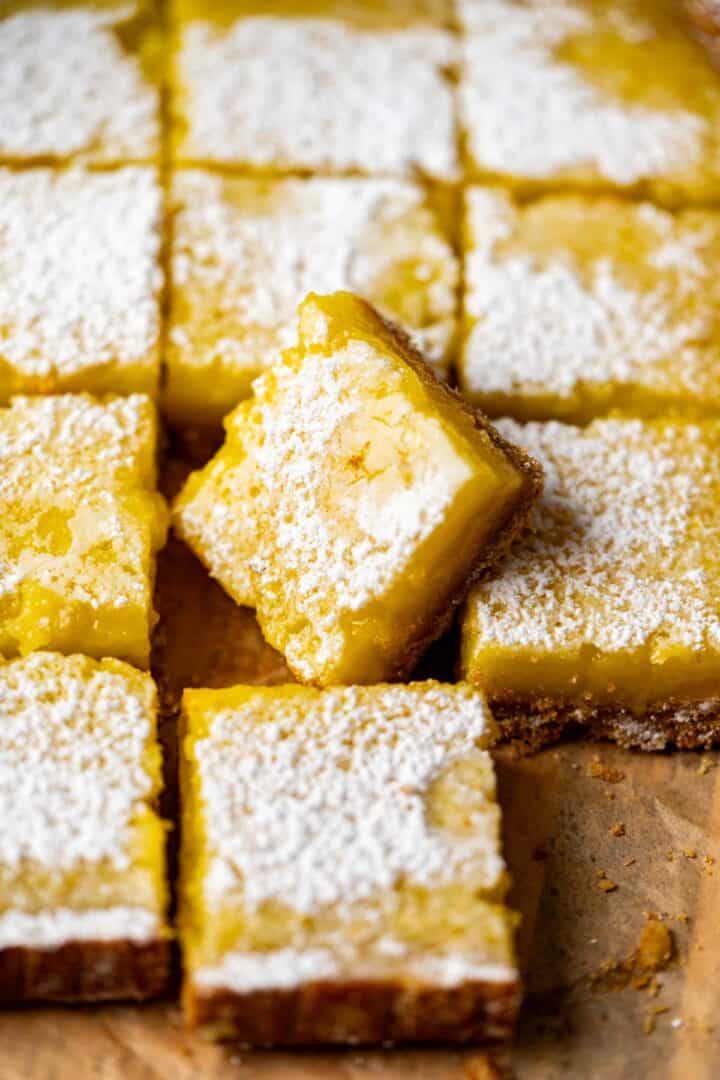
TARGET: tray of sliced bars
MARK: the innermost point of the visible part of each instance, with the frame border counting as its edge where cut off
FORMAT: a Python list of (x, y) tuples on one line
[(359, 534)]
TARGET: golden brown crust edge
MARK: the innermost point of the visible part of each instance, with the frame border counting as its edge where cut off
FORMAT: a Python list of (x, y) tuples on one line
[(357, 1013), (533, 724), (84, 972)]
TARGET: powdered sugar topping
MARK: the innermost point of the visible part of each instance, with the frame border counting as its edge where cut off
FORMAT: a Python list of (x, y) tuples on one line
[(67, 87), (530, 114), (317, 94), (621, 552), (322, 801), (553, 323), (250, 251), (72, 740), (80, 275)]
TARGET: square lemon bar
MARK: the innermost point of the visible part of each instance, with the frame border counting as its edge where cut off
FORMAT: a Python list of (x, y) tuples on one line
[(606, 617), (82, 861), (354, 499), (341, 874), (245, 252), (315, 88), (575, 306), (79, 80), (80, 523), (80, 281), (590, 95)]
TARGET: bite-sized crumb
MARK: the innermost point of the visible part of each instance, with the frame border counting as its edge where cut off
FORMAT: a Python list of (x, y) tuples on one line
[(653, 953), (604, 882), (598, 771)]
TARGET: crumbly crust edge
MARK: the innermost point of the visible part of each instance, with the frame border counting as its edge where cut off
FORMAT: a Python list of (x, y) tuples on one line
[(85, 972), (532, 724), (356, 1012)]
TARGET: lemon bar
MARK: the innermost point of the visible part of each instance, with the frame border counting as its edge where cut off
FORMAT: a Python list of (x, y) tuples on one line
[(246, 252), (80, 281), (82, 864), (614, 95), (341, 876), (353, 500), (575, 306), (79, 80), (607, 615), (314, 91), (80, 523)]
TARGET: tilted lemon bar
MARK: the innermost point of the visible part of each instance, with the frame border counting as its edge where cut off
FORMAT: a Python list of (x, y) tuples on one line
[(245, 252), (341, 872), (82, 863), (354, 499), (575, 306), (80, 522), (606, 617), (79, 80), (592, 95), (338, 88), (80, 281)]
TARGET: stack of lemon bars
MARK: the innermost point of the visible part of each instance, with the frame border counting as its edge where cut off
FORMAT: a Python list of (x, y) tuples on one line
[(350, 231)]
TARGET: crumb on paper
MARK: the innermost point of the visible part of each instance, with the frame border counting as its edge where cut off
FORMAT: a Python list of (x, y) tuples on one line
[(598, 771), (653, 1013), (683, 917), (708, 863), (617, 828), (654, 951), (690, 853), (655, 947), (705, 766), (630, 861), (605, 883)]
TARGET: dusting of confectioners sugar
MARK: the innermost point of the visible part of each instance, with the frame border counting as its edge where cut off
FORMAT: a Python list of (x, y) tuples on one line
[(313, 803), (554, 328), (314, 93), (257, 251), (79, 269), (83, 465), (67, 86), (72, 741), (622, 549), (50, 929), (338, 556), (77, 425), (526, 112)]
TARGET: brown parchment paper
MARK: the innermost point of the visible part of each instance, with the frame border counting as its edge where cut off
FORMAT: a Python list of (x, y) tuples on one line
[(598, 840)]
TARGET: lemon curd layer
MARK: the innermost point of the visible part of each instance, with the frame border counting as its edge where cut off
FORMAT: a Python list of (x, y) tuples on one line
[(80, 523), (341, 835), (352, 498), (79, 81), (245, 252), (598, 95), (575, 306), (613, 597), (80, 281), (342, 89), (81, 848)]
